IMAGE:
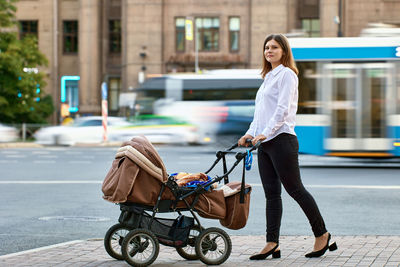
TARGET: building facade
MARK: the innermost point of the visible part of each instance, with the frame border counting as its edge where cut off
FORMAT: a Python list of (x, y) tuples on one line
[(121, 42)]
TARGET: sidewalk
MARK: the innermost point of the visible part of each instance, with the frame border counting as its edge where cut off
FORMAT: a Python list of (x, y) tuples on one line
[(353, 251)]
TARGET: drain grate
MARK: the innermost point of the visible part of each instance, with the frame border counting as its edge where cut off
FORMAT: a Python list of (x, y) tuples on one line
[(75, 218)]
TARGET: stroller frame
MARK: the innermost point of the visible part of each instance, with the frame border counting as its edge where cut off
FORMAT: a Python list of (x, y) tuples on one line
[(140, 220)]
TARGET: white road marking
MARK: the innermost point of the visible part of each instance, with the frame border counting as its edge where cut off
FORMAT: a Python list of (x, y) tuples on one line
[(191, 157), (9, 152), (73, 152), (8, 161), (88, 157), (44, 161), (16, 156), (40, 152), (187, 162), (53, 182), (48, 156), (80, 162), (345, 186), (380, 187)]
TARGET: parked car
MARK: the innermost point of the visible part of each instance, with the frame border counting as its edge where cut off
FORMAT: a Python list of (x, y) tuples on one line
[(8, 133), (158, 129)]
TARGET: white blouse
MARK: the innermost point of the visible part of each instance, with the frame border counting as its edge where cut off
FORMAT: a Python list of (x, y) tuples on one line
[(276, 104)]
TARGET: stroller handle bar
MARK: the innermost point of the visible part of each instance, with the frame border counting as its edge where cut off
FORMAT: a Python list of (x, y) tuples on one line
[(221, 155), (248, 141)]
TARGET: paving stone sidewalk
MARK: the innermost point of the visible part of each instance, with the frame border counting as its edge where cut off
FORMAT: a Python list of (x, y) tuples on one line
[(353, 251)]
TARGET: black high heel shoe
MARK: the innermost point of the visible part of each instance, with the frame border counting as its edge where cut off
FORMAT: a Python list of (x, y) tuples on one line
[(275, 254), (319, 253)]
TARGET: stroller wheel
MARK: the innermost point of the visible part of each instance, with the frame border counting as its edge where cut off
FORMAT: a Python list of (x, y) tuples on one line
[(140, 247), (113, 240), (189, 252), (213, 246)]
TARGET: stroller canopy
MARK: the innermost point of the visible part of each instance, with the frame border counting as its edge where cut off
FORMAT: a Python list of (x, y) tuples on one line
[(142, 152), (136, 160)]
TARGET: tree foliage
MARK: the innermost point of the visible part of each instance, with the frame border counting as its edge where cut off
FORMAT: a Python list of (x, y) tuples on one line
[(21, 95)]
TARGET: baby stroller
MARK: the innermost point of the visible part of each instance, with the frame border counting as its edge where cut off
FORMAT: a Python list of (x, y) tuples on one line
[(139, 184)]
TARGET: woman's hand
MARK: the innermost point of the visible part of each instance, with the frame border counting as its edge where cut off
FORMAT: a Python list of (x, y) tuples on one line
[(242, 140), (258, 138)]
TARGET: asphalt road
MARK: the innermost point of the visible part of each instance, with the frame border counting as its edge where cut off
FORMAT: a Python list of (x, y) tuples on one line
[(53, 195)]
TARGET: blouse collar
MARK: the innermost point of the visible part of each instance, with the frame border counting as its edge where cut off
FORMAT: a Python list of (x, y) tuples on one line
[(277, 70)]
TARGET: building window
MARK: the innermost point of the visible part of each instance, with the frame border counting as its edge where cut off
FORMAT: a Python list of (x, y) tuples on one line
[(115, 36), (207, 34), (180, 34), (311, 27), (70, 42), (113, 96), (234, 30), (28, 27)]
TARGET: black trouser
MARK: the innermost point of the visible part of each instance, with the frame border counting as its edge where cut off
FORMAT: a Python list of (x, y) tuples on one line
[(278, 163)]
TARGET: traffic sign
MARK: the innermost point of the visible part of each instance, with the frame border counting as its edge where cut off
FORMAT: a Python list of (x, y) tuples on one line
[(104, 91)]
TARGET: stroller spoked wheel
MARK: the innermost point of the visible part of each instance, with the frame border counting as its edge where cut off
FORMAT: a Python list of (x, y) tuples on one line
[(189, 251), (140, 247), (113, 240), (213, 246)]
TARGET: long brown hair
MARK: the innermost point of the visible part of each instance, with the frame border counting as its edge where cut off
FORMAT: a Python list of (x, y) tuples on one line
[(287, 59)]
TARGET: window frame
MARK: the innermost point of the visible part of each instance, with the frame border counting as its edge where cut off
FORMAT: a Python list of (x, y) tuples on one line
[(180, 31), (114, 35), (310, 31), (73, 35), (201, 31), (231, 32), (22, 34)]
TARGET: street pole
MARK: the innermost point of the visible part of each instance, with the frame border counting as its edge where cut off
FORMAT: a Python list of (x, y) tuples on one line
[(190, 23), (104, 110)]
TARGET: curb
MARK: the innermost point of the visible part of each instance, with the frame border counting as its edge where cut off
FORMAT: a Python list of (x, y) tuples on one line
[(106, 144), (20, 145), (42, 248)]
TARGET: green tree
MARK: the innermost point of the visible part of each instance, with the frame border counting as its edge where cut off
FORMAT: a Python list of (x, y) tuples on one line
[(21, 97)]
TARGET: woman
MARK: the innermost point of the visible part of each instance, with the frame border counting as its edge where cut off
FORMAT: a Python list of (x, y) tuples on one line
[(273, 125)]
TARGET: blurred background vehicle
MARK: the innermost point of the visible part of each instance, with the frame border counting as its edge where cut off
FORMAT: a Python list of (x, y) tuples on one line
[(158, 129), (82, 130), (222, 121), (8, 133), (234, 121), (161, 130), (235, 117)]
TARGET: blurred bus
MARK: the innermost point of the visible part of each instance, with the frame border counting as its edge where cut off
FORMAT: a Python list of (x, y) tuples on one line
[(349, 94), (224, 84)]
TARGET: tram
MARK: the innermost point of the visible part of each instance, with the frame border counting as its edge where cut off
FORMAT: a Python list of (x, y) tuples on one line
[(349, 94)]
